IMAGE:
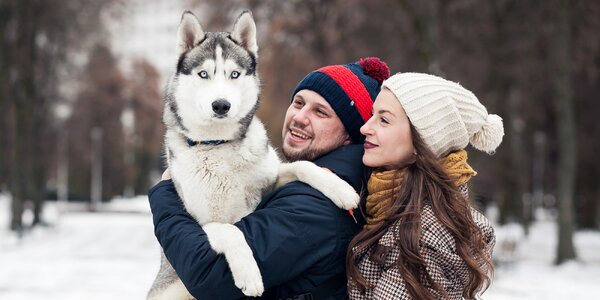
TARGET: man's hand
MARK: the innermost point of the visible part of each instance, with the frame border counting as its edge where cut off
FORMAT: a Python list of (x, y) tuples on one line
[(166, 175)]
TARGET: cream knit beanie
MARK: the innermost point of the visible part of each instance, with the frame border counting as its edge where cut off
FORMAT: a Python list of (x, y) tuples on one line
[(447, 116)]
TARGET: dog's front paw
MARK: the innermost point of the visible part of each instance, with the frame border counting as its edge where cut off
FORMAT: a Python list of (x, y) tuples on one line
[(342, 195), (247, 278), (229, 240)]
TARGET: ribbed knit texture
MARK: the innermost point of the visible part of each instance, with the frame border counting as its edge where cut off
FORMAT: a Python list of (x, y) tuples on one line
[(349, 89), (446, 115), (384, 186)]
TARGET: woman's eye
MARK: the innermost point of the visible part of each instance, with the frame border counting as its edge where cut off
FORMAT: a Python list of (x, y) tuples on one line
[(203, 74), (235, 74), (384, 121)]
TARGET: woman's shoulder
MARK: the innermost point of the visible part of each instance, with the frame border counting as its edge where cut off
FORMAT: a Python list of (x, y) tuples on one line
[(433, 233)]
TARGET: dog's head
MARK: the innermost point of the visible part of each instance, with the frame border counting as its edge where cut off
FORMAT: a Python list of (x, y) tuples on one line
[(216, 83)]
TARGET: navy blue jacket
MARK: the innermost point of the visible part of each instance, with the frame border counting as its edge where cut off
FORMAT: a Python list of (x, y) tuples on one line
[(298, 236)]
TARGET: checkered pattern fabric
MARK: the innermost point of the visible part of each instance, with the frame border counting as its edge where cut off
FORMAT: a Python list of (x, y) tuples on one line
[(438, 249)]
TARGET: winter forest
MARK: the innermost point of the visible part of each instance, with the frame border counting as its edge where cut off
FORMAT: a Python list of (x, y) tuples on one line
[(81, 86)]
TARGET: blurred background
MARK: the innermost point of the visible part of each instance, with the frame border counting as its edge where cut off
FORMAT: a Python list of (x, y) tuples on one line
[(80, 125)]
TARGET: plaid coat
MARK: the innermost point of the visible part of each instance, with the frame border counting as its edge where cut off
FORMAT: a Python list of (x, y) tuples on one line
[(438, 249)]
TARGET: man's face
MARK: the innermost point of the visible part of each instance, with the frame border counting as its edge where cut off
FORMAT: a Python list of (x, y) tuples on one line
[(311, 128)]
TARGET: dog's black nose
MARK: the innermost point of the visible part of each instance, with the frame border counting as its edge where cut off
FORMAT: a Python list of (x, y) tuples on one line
[(221, 106)]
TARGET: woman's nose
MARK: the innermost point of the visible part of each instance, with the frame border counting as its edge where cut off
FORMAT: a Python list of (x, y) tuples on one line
[(366, 129)]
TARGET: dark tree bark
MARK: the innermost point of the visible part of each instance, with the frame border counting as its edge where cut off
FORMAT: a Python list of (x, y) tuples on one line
[(24, 102), (5, 105), (500, 82), (567, 156), (425, 24)]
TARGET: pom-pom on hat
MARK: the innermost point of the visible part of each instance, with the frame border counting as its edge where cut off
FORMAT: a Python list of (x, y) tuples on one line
[(446, 115), (350, 89)]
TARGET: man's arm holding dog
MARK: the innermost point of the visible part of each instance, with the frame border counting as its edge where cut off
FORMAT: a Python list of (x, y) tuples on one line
[(287, 237)]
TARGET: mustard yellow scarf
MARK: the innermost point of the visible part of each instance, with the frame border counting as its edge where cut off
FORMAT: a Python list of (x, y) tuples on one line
[(383, 185)]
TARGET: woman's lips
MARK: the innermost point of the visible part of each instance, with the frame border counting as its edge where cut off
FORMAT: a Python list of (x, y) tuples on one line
[(369, 145)]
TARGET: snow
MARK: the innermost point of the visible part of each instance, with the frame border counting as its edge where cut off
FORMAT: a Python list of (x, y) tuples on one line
[(529, 273), (110, 254), (113, 254)]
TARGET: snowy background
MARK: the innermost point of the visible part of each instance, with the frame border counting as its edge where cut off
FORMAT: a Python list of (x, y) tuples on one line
[(112, 254)]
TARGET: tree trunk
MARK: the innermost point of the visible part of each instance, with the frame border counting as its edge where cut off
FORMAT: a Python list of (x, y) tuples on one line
[(23, 97), (39, 160), (96, 176), (426, 29), (5, 110), (567, 155), (538, 170), (513, 153), (518, 161)]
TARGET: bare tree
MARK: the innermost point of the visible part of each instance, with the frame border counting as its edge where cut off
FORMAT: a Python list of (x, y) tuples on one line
[(38, 37), (424, 17), (146, 100), (99, 105), (25, 106), (5, 115), (567, 159)]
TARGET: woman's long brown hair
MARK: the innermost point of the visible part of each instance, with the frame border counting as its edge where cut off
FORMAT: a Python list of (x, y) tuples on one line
[(424, 180)]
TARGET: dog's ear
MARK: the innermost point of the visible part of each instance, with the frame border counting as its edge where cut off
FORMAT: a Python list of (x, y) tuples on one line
[(244, 32), (189, 34)]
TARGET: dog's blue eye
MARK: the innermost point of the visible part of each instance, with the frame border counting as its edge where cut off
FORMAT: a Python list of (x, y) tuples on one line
[(203, 74), (235, 74)]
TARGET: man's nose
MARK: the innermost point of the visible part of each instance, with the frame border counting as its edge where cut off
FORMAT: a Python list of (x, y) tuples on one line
[(301, 116)]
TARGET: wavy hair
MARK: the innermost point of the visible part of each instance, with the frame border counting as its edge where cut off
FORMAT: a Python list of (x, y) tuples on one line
[(424, 180)]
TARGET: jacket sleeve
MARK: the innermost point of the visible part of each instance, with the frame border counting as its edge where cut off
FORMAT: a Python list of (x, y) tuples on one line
[(187, 248), (287, 238)]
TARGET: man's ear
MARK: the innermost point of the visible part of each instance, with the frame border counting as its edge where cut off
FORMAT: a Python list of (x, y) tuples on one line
[(347, 141)]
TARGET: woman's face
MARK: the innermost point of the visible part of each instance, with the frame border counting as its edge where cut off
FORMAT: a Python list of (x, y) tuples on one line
[(388, 142)]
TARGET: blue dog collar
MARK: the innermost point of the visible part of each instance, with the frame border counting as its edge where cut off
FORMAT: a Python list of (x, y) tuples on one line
[(192, 143)]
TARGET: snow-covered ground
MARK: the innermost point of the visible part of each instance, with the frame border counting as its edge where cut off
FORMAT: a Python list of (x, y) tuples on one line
[(527, 271), (112, 254)]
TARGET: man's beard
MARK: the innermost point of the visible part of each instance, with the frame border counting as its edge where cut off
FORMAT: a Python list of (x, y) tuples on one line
[(311, 154)]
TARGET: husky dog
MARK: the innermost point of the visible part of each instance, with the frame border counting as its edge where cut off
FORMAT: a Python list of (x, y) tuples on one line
[(218, 152)]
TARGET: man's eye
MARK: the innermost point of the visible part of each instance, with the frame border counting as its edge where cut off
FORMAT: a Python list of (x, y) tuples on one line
[(322, 113), (203, 74), (235, 74), (384, 121)]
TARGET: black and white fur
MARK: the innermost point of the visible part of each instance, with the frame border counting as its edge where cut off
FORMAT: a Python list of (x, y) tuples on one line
[(214, 96)]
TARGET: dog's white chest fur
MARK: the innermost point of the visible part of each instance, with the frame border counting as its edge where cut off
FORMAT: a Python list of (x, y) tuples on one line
[(223, 183)]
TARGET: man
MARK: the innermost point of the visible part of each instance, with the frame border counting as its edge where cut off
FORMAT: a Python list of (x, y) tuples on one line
[(297, 235)]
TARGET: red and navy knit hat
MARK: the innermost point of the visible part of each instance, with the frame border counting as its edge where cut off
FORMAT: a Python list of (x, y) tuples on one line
[(350, 89)]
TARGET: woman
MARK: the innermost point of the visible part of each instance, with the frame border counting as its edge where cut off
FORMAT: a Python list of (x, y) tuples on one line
[(422, 239)]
